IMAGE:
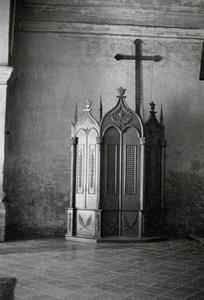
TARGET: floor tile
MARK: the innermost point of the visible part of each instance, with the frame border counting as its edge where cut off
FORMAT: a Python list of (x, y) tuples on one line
[(53, 269)]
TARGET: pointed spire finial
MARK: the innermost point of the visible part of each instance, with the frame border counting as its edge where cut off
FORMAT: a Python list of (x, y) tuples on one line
[(101, 109), (161, 116), (75, 114), (87, 106), (152, 106), (121, 91)]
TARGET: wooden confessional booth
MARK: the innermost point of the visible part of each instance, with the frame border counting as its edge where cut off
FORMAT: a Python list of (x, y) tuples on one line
[(118, 177)]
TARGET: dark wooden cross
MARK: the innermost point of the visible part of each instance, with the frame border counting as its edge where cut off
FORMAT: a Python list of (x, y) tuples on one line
[(138, 57)]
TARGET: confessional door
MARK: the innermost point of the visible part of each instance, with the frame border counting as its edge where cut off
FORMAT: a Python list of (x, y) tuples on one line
[(120, 180)]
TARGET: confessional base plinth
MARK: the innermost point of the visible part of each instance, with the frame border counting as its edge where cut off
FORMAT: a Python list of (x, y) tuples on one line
[(122, 240), (132, 240)]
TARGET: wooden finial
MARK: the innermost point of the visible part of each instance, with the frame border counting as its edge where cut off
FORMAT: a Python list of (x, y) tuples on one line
[(152, 106), (121, 91), (88, 105)]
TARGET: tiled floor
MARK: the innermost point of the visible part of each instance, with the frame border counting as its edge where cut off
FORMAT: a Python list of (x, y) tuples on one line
[(57, 269)]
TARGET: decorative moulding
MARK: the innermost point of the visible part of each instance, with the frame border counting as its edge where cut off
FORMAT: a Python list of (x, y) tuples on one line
[(5, 73), (181, 5), (142, 13), (112, 30)]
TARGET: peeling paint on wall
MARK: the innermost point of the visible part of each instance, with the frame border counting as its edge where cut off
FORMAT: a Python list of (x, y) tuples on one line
[(36, 202), (185, 202)]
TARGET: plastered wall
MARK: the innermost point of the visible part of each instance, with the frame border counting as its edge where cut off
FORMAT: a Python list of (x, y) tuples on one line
[(64, 53), (4, 29)]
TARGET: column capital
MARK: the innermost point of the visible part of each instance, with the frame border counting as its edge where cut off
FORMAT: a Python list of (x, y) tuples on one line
[(142, 140), (163, 143), (5, 73), (74, 141), (99, 140)]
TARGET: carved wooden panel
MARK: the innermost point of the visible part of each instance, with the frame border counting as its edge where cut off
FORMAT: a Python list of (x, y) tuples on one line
[(86, 222), (92, 170), (110, 223), (121, 116), (131, 170), (92, 162), (112, 165), (130, 223), (80, 198), (80, 169)]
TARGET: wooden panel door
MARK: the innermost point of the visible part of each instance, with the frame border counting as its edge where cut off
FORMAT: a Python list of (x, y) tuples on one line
[(130, 182), (110, 182), (120, 182)]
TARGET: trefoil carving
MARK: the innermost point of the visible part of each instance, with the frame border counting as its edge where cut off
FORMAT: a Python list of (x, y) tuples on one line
[(121, 115)]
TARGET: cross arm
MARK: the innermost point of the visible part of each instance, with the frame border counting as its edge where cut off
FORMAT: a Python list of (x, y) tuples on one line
[(122, 56), (133, 57), (154, 58)]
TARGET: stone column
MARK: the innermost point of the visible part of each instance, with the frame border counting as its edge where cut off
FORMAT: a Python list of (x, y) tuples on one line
[(5, 73)]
